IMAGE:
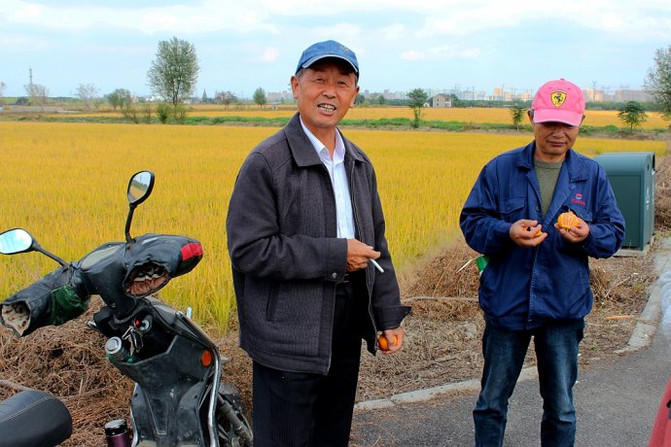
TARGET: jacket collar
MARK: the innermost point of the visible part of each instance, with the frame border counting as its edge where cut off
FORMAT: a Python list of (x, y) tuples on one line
[(577, 171), (302, 149)]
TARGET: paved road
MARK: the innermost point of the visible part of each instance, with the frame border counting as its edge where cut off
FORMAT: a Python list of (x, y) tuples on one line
[(616, 402)]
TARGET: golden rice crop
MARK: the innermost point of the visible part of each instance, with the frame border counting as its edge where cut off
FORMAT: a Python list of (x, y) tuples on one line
[(65, 183)]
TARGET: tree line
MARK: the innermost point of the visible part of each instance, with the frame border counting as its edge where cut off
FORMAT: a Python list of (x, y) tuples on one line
[(173, 75)]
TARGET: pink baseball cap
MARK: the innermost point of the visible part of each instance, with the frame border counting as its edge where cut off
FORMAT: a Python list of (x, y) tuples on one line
[(559, 101)]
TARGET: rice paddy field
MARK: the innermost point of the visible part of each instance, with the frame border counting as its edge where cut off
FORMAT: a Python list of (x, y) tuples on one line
[(597, 118), (66, 182)]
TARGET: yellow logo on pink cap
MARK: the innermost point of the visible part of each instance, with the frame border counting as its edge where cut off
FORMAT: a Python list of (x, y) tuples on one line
[(558, 97)]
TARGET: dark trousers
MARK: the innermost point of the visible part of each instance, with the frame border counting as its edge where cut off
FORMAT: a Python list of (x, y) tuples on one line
[(556, 346), (294, 409)]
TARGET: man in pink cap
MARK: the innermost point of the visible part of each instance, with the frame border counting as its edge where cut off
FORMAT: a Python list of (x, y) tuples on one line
[(536, 283)]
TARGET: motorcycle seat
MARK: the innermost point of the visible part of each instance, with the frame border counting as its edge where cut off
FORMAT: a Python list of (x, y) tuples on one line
[(32, 418)]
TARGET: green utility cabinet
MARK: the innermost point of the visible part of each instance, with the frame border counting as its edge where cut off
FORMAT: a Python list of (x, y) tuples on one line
[(632, 176)]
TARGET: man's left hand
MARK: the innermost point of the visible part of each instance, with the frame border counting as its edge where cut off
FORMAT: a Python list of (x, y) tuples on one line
[(394, 340), (576, 233)]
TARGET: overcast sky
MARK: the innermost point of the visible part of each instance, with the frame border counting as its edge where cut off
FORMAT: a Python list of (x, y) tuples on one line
[(400, 44)]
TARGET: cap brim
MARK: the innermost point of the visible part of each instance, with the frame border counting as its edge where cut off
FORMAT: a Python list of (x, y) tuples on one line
[(559, 116), (311, 61)]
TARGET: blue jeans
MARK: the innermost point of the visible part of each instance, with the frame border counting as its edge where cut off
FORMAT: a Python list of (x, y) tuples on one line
[(556, 346)]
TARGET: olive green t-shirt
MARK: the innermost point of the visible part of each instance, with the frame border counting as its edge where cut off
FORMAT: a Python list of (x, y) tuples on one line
[(547, 173)]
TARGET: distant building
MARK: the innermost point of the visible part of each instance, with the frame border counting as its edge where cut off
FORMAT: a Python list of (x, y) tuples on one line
[(280, 97), (594, 95), (624, 95), (498, 94), (619, 95), (441, 101)]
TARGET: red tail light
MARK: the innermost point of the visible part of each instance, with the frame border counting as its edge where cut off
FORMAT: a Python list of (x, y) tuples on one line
[(189, 251)]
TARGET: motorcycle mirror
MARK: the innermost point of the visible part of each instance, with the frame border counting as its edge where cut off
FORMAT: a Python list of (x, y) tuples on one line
[(15, 241), (18, 240), (139, 188)]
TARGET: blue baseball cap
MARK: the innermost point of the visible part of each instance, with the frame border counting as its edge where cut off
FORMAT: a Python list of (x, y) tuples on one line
[(329, 48)]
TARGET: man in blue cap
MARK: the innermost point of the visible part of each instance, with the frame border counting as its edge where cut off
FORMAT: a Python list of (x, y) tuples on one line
[(311, 269)]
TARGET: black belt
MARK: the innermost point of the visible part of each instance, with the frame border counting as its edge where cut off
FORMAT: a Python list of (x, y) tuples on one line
[(354, 276)]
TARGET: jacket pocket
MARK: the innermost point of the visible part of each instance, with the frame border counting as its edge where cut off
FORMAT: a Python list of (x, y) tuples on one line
[(584, 215), (512, 208), (271, 303), (580, 211)]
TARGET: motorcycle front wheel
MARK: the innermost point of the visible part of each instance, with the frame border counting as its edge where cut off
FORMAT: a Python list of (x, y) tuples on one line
[(232, 425)]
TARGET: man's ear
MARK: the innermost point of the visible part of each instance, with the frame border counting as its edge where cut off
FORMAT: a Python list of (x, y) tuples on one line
[(354, 97), (530, 114), (294, 86)]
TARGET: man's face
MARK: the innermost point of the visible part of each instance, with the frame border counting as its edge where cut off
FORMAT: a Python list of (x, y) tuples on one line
[(324, 93), (553, 140)]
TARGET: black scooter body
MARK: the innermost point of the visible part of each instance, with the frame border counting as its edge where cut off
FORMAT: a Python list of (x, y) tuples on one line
[(176, 367)]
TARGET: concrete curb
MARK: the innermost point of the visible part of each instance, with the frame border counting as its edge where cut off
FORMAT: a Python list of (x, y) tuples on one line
[(430, 393), (641, 338)]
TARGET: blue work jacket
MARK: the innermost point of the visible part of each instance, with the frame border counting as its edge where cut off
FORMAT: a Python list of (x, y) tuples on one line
[(523, 288)]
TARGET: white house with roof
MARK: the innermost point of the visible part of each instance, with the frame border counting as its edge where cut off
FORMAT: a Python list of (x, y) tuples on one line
[(440, 101)]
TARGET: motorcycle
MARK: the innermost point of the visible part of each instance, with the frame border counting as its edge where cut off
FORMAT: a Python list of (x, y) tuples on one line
[(179, 397)]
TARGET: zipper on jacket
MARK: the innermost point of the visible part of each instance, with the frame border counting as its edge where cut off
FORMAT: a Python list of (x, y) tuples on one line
[(330, 357), (369, 292)]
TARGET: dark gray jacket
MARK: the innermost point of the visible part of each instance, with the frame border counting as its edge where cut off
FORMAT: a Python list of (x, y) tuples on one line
[(286, 256)]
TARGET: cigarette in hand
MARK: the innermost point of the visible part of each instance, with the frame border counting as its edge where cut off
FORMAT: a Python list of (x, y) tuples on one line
[(377, 266)]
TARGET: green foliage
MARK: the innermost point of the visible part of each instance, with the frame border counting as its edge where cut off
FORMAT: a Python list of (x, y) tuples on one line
[(163, 112), (260, 97), (87, 93), (376, 123), (517, 111), (119, 98), (131, 113), (255, 120), (226, 98), (146, 112), (179, 113), (416, 100), (174, 72), (632, 114), (658, 81)]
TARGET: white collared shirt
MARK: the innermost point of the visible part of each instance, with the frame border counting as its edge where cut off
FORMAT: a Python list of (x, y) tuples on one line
[(338, 174)]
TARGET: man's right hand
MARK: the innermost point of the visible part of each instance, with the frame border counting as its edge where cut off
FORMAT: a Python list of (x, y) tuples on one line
[(359, 254), (527, 233)]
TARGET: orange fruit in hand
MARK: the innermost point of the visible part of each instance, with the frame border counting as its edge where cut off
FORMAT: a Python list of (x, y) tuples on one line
[(384, 344), (538, 233), (567, 220)]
